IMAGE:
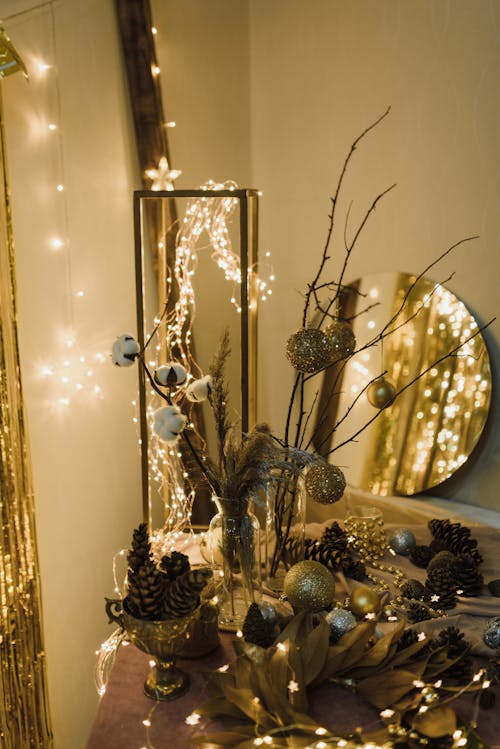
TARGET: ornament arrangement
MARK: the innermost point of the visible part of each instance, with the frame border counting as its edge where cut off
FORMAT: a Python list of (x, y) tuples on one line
[(264, 698), (160, 605)]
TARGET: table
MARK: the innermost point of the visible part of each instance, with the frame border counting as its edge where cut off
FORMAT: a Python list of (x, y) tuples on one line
[(118, 723)]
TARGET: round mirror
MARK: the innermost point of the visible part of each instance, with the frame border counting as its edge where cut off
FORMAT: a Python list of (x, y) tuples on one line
[(422, 437)]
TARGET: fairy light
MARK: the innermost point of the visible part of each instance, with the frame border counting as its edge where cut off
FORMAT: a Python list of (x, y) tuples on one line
[(193, 719)]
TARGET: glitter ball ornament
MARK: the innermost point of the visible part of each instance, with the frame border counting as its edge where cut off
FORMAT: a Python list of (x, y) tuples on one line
[(402, 541), (269, 612), (309, 350), (342, 338), (325, 483), (309, 586), (364, 601), (340, 621), (380, 393), (491, 634)]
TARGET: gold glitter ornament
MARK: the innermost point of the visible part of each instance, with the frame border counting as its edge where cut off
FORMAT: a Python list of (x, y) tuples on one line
[(380, 393), (309, 586), (325, 483), (342, 338), (309, 350), (364, 601)]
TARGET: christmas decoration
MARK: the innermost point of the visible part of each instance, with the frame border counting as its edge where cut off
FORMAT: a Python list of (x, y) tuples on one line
[(340, 621), (334, 536), (441, 586), (491, 635), (309, 586), (459, 672), (325, 483), (343, 339), (174, 565), (182, 596), (125, 351), (269, 612), (402, 541), (145, 583), (494, 588), (256, 628), (309, 350), (170, 374), (421, 556), (441, 559), (162, 178), (331, 557), (199, 390), (363, 601), (413, 589), (455, 537), (380, 393), (168, 423), (418, 612), (469, 580)]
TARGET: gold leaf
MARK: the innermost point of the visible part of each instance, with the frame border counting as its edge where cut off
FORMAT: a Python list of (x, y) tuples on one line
[(386, 688), (315, 651), (297, 629), (436, 722)]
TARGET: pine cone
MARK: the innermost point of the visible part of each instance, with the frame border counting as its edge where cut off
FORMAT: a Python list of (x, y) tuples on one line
[(175, 565), (468, 577), (455, 537), (421, 556), (145, 588), (141, 548), (459, 672), (415, 590), (334, 537), (408, 638), (293, 551), (418, 612), (355, 571), (183, 595), (256, 629), (441, 582), (442, 560)]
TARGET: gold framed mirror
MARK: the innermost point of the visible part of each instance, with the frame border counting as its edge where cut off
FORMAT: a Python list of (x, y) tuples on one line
[(422, 438)]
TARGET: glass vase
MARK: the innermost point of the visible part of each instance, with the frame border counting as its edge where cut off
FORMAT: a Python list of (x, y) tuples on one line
[(235, 552), (285, 529)]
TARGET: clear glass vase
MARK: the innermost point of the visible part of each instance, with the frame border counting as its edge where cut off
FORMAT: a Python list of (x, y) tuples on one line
[(235, 552), (285, 529)]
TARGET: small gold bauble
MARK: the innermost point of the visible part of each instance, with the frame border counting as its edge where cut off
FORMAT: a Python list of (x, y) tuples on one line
[(343, 339), (364, 601), (380, 393), (309, 586), (309, 350), (325, 483)]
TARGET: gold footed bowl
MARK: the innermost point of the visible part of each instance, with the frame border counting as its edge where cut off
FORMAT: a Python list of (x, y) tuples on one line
[(160, 639)]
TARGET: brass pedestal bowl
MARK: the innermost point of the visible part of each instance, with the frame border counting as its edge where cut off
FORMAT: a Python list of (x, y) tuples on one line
[(160, 639)]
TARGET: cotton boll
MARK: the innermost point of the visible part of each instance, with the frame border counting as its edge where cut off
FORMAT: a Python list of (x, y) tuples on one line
[(124, 351), (170, 374), (168, 423), (199, 390)]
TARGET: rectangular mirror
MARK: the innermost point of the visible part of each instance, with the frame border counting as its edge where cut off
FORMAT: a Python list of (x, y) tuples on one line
[(196, 260)]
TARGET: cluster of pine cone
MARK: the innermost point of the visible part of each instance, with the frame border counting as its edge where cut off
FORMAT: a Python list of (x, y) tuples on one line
[(331, 550), (452, 562), (170, 590), (457, 650)]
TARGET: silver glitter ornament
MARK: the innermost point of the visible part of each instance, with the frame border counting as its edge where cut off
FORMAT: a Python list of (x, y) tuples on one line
[(402, 541), (343, 339), (380, 393), (340, 621), (269, 612), (309, 350), (325, 483), (491, 634), (309, 586)]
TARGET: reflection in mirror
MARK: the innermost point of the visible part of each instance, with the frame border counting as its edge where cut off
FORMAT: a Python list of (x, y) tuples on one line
[(195, 255), (431, 429)]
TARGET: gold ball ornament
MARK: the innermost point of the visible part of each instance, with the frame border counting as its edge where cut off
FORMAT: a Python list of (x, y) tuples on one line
[(364, 601), (342, 338), (309, 350), (325, 483), (380, 393), (309, 586)]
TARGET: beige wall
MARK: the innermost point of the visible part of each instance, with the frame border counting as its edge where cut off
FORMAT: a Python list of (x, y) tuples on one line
[(269, 93), (85, 456)]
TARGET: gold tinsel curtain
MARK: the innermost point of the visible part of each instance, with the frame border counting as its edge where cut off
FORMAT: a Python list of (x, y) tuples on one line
[(24, 712)]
